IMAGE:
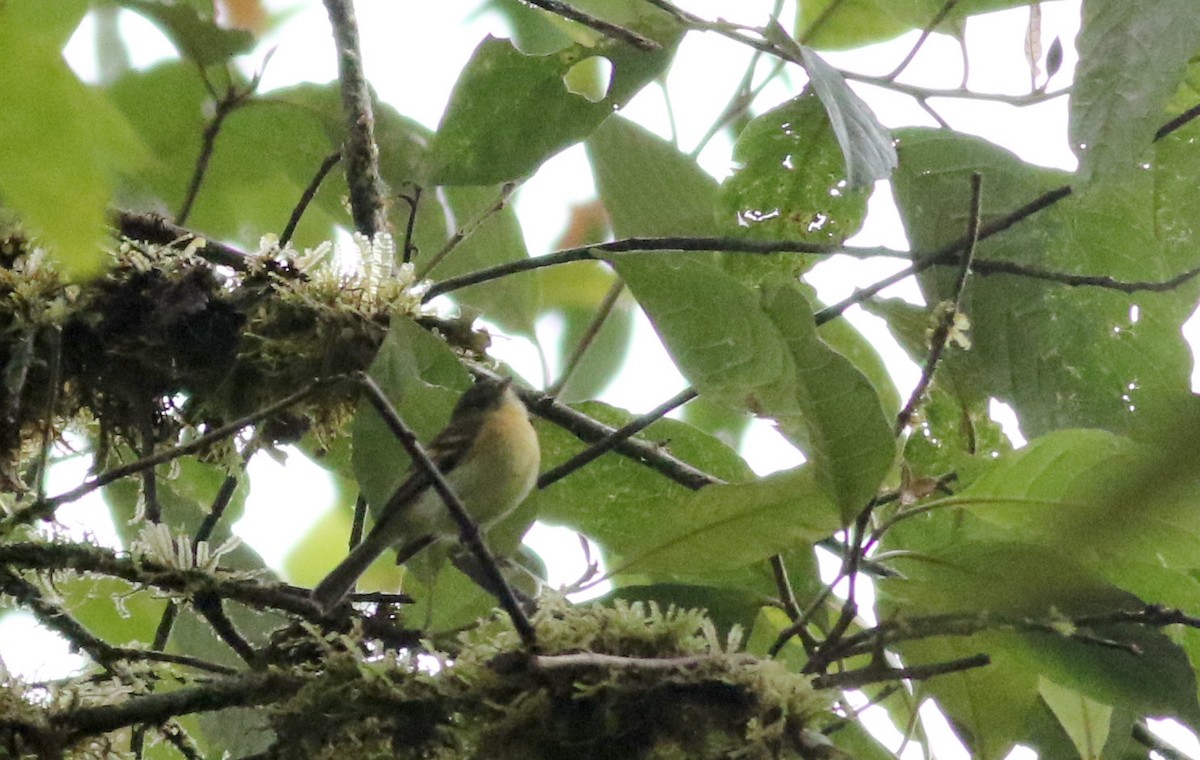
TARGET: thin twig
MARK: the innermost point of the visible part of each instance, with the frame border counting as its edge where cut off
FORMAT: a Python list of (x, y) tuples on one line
[(153, 510), (784, 586), (612, 440), (233, 99), (414, 202), (938, 18), (1178, 122), (944, 253), (607, 28), (985, 267), (856, 679), (306, 197), (645, 244), (55, 385), (950, 311), (212, 608), (361, 152), (589, 335), (468, 529), (468, 229), (43, 508), (145, 572)]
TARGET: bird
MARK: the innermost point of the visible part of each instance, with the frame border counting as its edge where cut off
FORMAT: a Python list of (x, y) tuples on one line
[(489, 454)]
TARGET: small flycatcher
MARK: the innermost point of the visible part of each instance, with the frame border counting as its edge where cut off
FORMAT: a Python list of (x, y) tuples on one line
[(489, 454)]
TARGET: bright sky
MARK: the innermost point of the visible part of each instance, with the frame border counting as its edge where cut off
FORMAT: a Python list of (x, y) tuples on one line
[(414, 69)]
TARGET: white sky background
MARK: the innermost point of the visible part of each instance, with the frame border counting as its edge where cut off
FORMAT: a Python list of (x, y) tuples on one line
[(414, 67)]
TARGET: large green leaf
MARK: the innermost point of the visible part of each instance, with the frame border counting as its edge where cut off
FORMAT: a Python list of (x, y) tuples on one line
[(727, 526), (648, 186), (749, 354), (1132, 58), (1085, 720), (61, 143), (510, 111), (850, 441), (1067, 478), (791, 182), (1116, 664), (1062, 356)]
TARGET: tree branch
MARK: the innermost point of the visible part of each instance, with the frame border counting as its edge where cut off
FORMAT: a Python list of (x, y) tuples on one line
[(950, 313), (361, 151), (647, 244), (615, 438)]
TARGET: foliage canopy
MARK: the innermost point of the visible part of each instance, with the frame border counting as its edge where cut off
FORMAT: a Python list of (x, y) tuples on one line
[(1047, 596)]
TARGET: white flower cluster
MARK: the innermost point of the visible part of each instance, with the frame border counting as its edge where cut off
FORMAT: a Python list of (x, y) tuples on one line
[(156, 542)]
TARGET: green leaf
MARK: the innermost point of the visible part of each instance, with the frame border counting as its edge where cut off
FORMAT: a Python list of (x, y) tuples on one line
[(850, 440), (1061, 356), (866, 144), (510, 111), (648, 187), (60, 179), (727, 526), (196, 36), (1131, 60), (1062, 483), (791, 182), (1140, 668), (1085, 720)]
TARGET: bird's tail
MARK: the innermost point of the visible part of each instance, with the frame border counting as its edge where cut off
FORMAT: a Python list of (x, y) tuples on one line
[(329, 592)]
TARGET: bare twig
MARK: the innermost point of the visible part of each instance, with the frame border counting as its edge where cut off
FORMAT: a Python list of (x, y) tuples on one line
[(212, 608), (784, 585), (945, 253), (950, 313), (306, 197), (55, 385), (938, 18), (360, 151), (881, 671), (606, 28), (589, 335), (233, 99), (43, 508), (414, 202), (468, 529), (644, 244), (468, 229), (615, 438)]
